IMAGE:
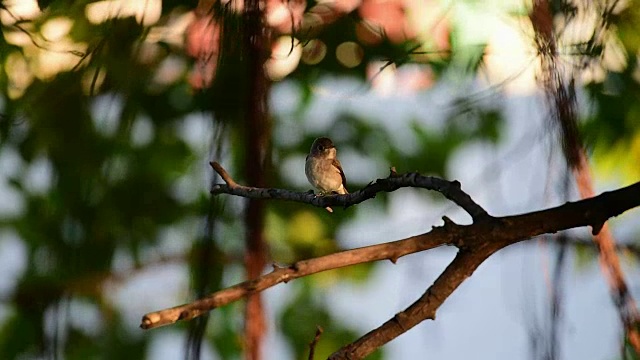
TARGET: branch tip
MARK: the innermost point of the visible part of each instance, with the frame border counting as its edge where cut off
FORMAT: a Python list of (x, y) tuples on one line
[(223, 174), (314, 342), (145, 323), (448, 222)]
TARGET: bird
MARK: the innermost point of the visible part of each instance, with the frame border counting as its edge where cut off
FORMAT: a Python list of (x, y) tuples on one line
[(323, 169)]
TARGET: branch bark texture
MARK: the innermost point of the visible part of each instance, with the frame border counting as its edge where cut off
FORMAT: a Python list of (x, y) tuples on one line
[(476, 242), (450, 189)]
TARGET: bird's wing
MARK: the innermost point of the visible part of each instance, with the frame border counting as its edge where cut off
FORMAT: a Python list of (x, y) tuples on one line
[(337, 164)]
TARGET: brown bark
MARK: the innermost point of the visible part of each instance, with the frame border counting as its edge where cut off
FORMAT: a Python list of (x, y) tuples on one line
[(476, 242), (256, 141), (610, 263)]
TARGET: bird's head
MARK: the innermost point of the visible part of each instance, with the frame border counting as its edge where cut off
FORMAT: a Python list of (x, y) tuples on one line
[(323, 146)]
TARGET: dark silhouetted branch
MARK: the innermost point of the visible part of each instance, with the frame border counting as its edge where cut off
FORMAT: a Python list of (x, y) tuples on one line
[(476, 243), (450, 189), (483, 240), (314, 342)]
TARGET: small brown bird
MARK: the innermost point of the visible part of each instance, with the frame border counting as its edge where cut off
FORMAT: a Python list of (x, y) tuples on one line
[(323, 169)]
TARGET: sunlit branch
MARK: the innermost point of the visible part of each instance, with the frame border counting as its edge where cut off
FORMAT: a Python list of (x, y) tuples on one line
[(480, 244), (391, 251), (476, 243)]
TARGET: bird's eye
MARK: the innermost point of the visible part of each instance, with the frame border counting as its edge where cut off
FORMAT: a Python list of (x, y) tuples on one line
[(320, 147)]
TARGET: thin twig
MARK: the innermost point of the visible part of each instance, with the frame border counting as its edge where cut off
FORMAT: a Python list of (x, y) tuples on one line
[(314, 342)]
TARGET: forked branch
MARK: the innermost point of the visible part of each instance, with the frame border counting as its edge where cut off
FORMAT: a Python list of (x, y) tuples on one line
[(476, 242)]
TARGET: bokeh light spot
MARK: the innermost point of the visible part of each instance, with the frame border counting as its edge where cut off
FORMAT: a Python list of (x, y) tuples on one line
[(146, 12), (349, 54), (56, 28), (313, 52), (285, 57)]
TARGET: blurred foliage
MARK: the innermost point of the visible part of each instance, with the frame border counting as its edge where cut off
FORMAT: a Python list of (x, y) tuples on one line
[(109, 162), (613, 130)]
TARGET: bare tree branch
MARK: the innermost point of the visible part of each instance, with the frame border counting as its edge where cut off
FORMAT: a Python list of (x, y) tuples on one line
[(476, 243), (450, 189), (391, 251), (482, 242), (464, 264), (314, 342)]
